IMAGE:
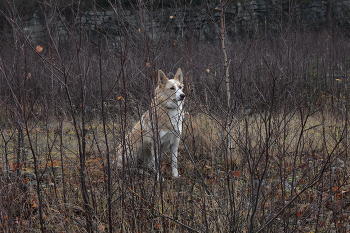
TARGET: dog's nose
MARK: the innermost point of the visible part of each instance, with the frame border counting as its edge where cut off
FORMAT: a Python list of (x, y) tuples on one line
[(182, 96)]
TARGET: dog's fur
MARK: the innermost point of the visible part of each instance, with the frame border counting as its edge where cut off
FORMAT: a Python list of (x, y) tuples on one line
[(164, 125)]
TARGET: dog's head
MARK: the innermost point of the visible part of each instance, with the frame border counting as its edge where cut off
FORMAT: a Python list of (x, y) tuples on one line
[(170, 90)]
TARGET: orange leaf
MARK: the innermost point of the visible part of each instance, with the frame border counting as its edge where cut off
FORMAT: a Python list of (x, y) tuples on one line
[(299, 214), (119, 97), (6, 217), (338, 196), (158, 225), (39, 48), (171, 16), (163, 168), (34, 205), (237, 174), (334, 189), (148, 64)]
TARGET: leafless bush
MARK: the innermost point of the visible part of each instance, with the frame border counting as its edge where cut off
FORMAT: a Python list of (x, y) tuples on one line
[(69, 97)]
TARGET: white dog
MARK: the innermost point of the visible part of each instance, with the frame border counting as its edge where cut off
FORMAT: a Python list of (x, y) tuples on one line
[(165, 122)]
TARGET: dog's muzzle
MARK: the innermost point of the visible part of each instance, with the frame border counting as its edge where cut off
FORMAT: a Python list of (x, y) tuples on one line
[(182, 97)]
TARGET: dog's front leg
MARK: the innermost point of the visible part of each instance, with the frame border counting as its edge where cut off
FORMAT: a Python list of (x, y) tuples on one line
[(174, 148), (154, 163)]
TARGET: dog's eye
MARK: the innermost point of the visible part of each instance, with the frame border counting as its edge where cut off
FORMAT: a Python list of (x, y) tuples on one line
[(172, 88)]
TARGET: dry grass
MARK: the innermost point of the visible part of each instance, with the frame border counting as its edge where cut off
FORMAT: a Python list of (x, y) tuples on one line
[(212, 191)]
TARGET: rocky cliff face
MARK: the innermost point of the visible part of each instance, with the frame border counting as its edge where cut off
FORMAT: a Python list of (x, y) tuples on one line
[(203, 23)]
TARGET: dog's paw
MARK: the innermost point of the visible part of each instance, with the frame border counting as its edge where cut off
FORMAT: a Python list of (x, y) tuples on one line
[(176, 175)]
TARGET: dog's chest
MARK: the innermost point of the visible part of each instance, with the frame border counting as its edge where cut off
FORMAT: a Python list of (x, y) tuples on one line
[(171, 134), (176, 118)]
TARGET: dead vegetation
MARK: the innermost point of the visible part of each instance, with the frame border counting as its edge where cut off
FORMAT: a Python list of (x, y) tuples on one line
[(272, 159)]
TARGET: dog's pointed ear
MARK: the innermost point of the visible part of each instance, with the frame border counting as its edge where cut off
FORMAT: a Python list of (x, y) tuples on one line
[(162, 79), (179, 76)]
